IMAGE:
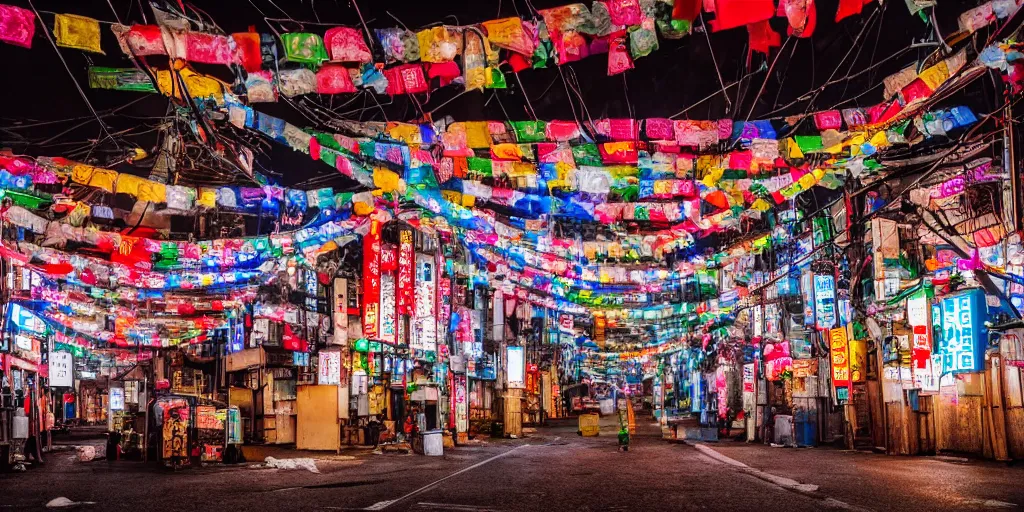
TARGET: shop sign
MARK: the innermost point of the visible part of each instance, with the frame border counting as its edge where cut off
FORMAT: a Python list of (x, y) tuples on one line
[(803, 368), (565, 323), (61, 369), (840, 354), (329, 368), (424, 336), (444, 300), (340, 312), (461, 404), (27, 320), (807, 287), (772, 321), (116, 399), (388, 258), (404, 280), (748, 378), (22, 342), (758, 315), (825, 301), (371, 280), (1012, 348), (929, 378), (516, 367), (921, 338), (964, 335), (388, 325)]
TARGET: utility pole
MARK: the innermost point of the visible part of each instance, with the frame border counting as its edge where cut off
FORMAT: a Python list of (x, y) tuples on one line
[(1010, 163)]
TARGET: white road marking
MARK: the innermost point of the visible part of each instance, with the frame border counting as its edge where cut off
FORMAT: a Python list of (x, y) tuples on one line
[(779, 481), (381, 505), (449, 506), (990, 503), (842, 505)]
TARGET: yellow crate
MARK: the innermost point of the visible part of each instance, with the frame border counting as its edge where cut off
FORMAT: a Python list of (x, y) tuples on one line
[(589, 424)]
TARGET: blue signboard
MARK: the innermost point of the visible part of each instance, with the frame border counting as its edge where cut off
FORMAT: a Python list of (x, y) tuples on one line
[(825, 301), (963, 335)]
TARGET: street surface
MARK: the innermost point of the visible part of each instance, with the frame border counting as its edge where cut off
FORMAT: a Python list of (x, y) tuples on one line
[(553, 469)]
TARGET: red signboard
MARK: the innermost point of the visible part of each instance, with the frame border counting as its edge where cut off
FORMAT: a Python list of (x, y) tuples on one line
[(371, 280), (404, 280)]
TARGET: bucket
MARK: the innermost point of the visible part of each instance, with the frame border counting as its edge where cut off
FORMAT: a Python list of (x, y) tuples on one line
[(433, 443)]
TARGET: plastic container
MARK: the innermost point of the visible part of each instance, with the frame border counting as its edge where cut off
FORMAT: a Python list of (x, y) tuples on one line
[(433, 443), (589, 425), (20, 427)]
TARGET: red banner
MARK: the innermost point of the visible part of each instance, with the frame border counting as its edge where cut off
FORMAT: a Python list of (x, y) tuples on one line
[(371, 280), (388, 259), (404, 281)]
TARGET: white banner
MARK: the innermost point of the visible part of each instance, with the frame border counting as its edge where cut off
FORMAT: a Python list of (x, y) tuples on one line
[(330, 368), (340, 312), (62, 369), (424, 335)]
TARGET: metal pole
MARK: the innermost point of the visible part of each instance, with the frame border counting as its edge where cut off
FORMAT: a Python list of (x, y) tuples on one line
[(1010, 162)]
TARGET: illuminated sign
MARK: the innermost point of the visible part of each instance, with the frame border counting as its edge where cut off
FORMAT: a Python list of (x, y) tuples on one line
[(516, 368), (424, 334), (964, 335), (27, 320), (388, 322), (921, 341), (61, 369), (116, 399), (839, 346), (825, 301), (461, 404)]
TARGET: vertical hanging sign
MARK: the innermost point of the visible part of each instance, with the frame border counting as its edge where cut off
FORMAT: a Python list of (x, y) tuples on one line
[(425, 332), (340, 311), (839, 347), (388, 326), (461, 404), (825, 301), (404, 280), (807, 289), (444, 303), (371, 280)]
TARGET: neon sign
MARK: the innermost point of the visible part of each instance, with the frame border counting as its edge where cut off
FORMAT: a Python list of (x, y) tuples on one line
[(825, 301), (964, 335)]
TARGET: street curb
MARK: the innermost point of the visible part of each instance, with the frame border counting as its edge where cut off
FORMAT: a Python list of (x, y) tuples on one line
[(781, 481)]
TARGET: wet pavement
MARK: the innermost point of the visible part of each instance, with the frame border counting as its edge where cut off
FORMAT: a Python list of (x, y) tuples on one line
[(553, 469)]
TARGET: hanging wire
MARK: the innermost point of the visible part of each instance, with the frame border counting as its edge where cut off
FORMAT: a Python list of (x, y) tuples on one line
[(78, 86), (714, 60), (768, 76)]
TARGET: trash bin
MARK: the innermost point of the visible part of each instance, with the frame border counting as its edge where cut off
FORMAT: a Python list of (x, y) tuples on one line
[(433, 443), (589, 425)]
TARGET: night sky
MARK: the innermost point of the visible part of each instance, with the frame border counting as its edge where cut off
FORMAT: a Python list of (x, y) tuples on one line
[(37, 88)]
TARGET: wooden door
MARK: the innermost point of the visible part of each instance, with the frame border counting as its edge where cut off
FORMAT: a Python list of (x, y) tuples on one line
[(318, 427)]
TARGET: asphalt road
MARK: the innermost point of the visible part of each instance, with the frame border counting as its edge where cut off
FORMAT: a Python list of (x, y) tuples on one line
[(552, 470)]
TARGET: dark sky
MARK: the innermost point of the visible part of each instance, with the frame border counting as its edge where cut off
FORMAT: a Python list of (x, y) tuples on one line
[(37, 88)]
